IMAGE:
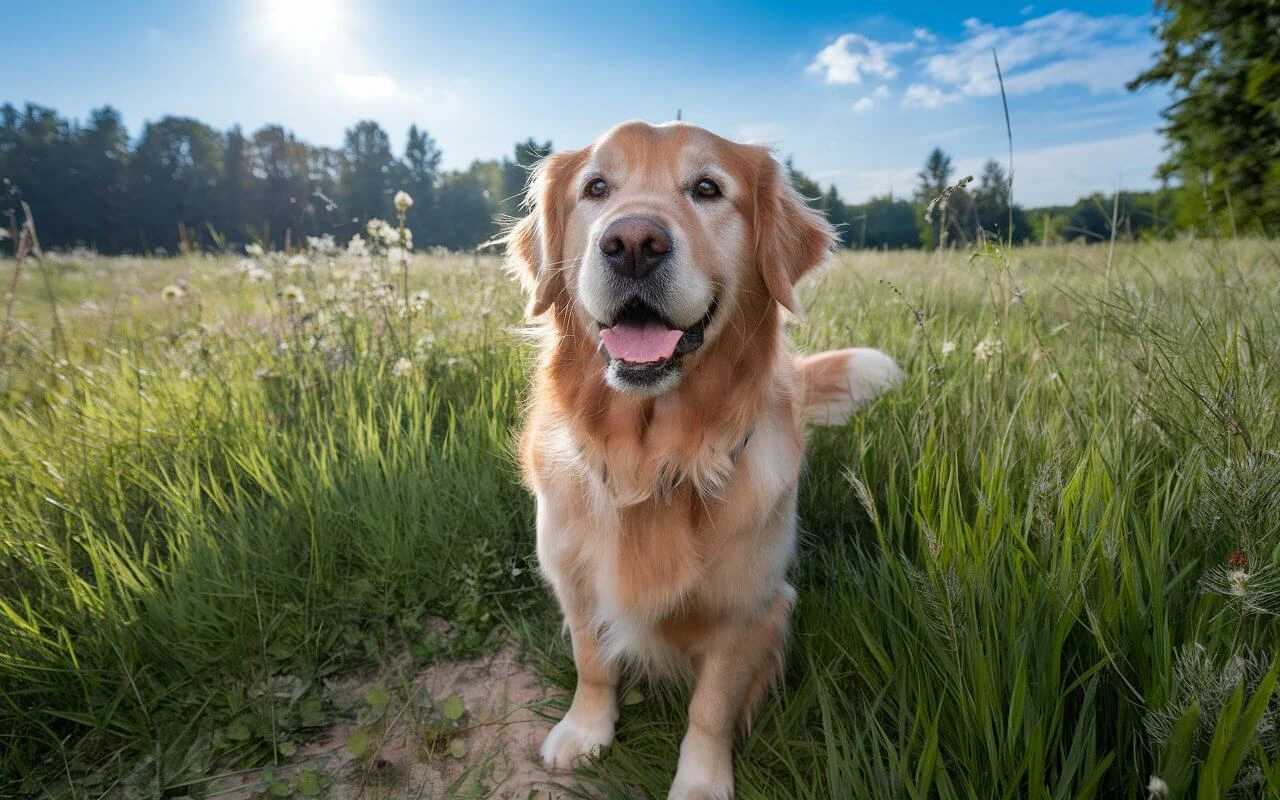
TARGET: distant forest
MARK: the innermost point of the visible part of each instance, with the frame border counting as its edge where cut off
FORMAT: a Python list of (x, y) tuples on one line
[(183, 186)]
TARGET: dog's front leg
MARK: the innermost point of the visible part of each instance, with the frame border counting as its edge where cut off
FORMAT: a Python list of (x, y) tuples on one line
[(587, 728), (730, 675)]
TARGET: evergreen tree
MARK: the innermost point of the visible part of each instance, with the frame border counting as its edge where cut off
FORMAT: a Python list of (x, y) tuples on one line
[(370, 174)]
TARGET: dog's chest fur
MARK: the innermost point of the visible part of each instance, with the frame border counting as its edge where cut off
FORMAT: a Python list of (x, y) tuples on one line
[(664, 532)]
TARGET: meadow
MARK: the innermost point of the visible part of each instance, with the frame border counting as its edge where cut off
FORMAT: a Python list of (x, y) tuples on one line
[(1045, 566)]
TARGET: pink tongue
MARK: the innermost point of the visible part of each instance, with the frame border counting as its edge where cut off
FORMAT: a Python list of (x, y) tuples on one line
[(640, 344)]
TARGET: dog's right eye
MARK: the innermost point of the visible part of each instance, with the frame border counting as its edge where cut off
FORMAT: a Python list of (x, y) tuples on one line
[(596, 188)]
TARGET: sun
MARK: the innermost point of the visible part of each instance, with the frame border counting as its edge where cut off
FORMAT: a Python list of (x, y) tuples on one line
[(301, 24)]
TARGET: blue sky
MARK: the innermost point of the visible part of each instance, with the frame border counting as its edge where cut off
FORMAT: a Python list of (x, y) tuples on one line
[(857, 92)]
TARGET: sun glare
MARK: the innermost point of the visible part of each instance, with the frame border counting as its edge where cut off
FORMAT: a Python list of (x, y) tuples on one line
[(301, 24)]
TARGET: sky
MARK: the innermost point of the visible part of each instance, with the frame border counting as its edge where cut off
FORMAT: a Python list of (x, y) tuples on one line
[(856, 93)]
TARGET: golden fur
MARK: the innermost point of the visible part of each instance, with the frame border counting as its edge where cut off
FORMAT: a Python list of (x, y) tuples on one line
[(666, 524)]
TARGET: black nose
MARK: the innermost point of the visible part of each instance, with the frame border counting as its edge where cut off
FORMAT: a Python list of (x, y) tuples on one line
[(635, 246)]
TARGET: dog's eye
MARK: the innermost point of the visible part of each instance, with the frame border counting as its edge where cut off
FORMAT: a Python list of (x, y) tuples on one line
[(707, 188), (596, 188)]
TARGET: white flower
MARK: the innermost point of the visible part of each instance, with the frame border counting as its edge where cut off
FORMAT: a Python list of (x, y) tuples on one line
[(356, 248), (293, 295), (987, 348), (298, 261), (1157, 787), (246, 265), (172, 292), (324, 245), (402, 367), (403, 201), (948, 347), (1237, 582), (254, 249)]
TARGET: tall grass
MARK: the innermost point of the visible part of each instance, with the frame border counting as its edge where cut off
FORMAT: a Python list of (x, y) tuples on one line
[(1043, 567)]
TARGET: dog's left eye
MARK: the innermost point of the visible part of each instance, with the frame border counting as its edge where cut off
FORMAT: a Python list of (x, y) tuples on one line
[(596, 188), (706, 188)]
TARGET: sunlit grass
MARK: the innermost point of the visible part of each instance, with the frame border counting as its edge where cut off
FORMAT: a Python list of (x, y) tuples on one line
[(1043, 567)]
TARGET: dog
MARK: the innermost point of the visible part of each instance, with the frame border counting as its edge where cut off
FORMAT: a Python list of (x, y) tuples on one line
[(664, 437)]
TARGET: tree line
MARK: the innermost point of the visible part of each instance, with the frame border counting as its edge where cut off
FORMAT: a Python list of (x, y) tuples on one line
[(184, 186)]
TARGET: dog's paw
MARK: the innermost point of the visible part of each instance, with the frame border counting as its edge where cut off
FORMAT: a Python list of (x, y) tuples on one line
[(573, 738), (700, 790), (700, 779)]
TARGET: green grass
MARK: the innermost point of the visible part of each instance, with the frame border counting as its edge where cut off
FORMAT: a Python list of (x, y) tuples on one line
[(1013, 579)]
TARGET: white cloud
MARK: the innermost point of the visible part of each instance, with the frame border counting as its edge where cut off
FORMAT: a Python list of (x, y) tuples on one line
[(852, 56), (365, 87), (1065, 48), (759, 133), (924, 35), (869, 102), (921, 95)]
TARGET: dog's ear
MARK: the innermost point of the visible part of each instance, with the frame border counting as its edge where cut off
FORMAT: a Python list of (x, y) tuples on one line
[(535, 245), (791, 237)]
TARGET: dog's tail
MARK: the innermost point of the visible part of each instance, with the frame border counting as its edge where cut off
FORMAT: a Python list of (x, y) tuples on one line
[(837, 383)]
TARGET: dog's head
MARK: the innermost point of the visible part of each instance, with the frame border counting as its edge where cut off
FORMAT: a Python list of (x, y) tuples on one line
[(654, 240)]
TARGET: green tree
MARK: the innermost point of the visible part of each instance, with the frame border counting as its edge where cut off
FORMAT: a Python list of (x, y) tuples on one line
[(991, 204), (281, 172), (235, 194), (178, 169), (515, 174), (1222, 60), (932, 180), (370, 175), (422, 177)]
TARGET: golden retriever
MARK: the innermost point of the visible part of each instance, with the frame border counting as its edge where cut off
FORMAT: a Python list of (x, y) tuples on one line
[(665, 433)]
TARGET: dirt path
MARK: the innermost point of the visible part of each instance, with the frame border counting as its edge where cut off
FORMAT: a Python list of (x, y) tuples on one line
[(465, 729)]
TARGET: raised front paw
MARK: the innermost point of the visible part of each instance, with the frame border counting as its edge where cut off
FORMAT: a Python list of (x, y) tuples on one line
[(575, 737)]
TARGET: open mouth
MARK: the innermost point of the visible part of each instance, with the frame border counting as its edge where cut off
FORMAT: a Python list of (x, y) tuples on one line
[(640, 336)]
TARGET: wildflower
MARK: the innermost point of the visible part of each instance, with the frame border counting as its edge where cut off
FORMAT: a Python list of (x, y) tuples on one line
[(1157, 787), (298, 261), (948, 347), (324, 245), (357, 247), (1237, 582), (402, 367), (987, 348), (246, 265), (376, 229), (254, 249), (172, 292), (403, 201), (293, 295), (257, 275)]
